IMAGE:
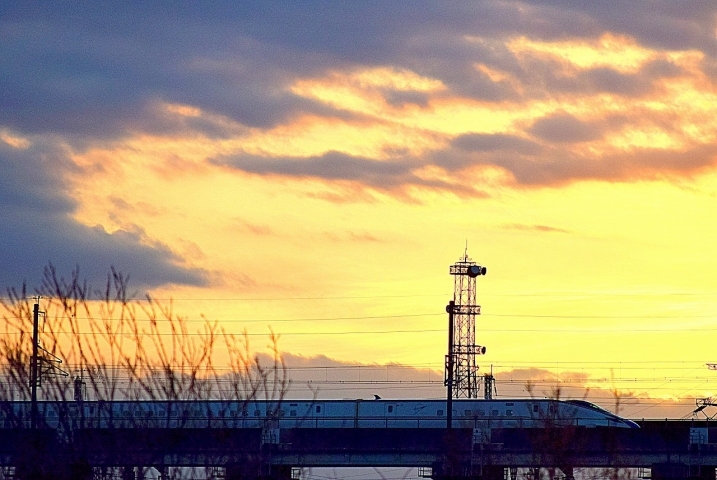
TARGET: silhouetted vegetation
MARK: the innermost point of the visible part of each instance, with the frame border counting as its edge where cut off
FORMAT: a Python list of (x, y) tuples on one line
[(114, 347)]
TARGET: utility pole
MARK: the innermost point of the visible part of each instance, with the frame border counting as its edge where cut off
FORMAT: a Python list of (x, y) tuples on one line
[(34, 363), (40, 358), (449, 367)]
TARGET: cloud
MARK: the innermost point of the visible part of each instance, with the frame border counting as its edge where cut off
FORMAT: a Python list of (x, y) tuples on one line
[(481, 142), (563, 128), (98, 72), (536, 228), (243, 225), (392, 175), (328, 378), (85, 71), (563, 167), (559, 162), (331, 165), (36, 227), (526, 163), (360, 237)]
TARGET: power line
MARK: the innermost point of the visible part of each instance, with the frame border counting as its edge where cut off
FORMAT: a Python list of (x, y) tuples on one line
[(573, 294), (232, 320), (385, 332), (262, 299), (130, 334), (410, 315), (597, 317)]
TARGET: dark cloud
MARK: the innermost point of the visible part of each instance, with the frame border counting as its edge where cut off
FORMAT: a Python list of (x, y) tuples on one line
[(545, 78), (401, 98), (561, 167), (387, 175), (330, 166), (528, 164), (480, 142), (37, 228), (91, 68), (661, 24), (562, 128), (93, 71)]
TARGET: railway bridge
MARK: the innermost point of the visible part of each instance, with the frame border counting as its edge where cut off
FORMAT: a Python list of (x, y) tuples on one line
[(661, 450)]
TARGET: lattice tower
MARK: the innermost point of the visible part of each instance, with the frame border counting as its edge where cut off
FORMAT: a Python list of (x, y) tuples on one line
[(466, 382)]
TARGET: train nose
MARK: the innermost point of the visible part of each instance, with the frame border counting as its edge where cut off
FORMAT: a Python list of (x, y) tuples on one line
[(630, 423)]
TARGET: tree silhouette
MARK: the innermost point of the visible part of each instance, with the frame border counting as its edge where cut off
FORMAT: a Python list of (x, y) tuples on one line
[(118, 350)]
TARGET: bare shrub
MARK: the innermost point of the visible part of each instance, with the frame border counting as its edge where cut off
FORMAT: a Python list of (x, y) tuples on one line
[(116, 347)]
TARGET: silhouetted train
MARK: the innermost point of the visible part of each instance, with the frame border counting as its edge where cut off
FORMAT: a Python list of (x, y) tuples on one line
[(467, 413)]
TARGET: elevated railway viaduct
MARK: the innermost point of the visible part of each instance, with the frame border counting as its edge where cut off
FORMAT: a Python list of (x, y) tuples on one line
[(667, 449)]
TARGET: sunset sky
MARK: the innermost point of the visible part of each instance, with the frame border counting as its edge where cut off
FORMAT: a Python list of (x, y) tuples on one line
[(316, 167)]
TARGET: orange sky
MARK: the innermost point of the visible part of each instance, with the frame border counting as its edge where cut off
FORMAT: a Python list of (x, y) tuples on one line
[(585, 182)]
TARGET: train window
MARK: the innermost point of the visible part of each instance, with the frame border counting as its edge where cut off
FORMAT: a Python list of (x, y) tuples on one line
[(282, 413), (244, 413), (257, 413), (390, 409), (551, 409), (292, 413), (318, 408), (439, 413), (494, 413), (535, 409), (509, 412)]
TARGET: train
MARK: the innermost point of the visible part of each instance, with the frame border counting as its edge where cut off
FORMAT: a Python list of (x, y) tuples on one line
[(379, 413)]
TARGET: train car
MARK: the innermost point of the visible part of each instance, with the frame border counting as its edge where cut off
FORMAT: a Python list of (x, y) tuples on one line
[(467, 413)]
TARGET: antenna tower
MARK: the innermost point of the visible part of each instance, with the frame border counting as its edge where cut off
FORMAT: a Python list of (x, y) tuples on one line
[(461, 369)]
